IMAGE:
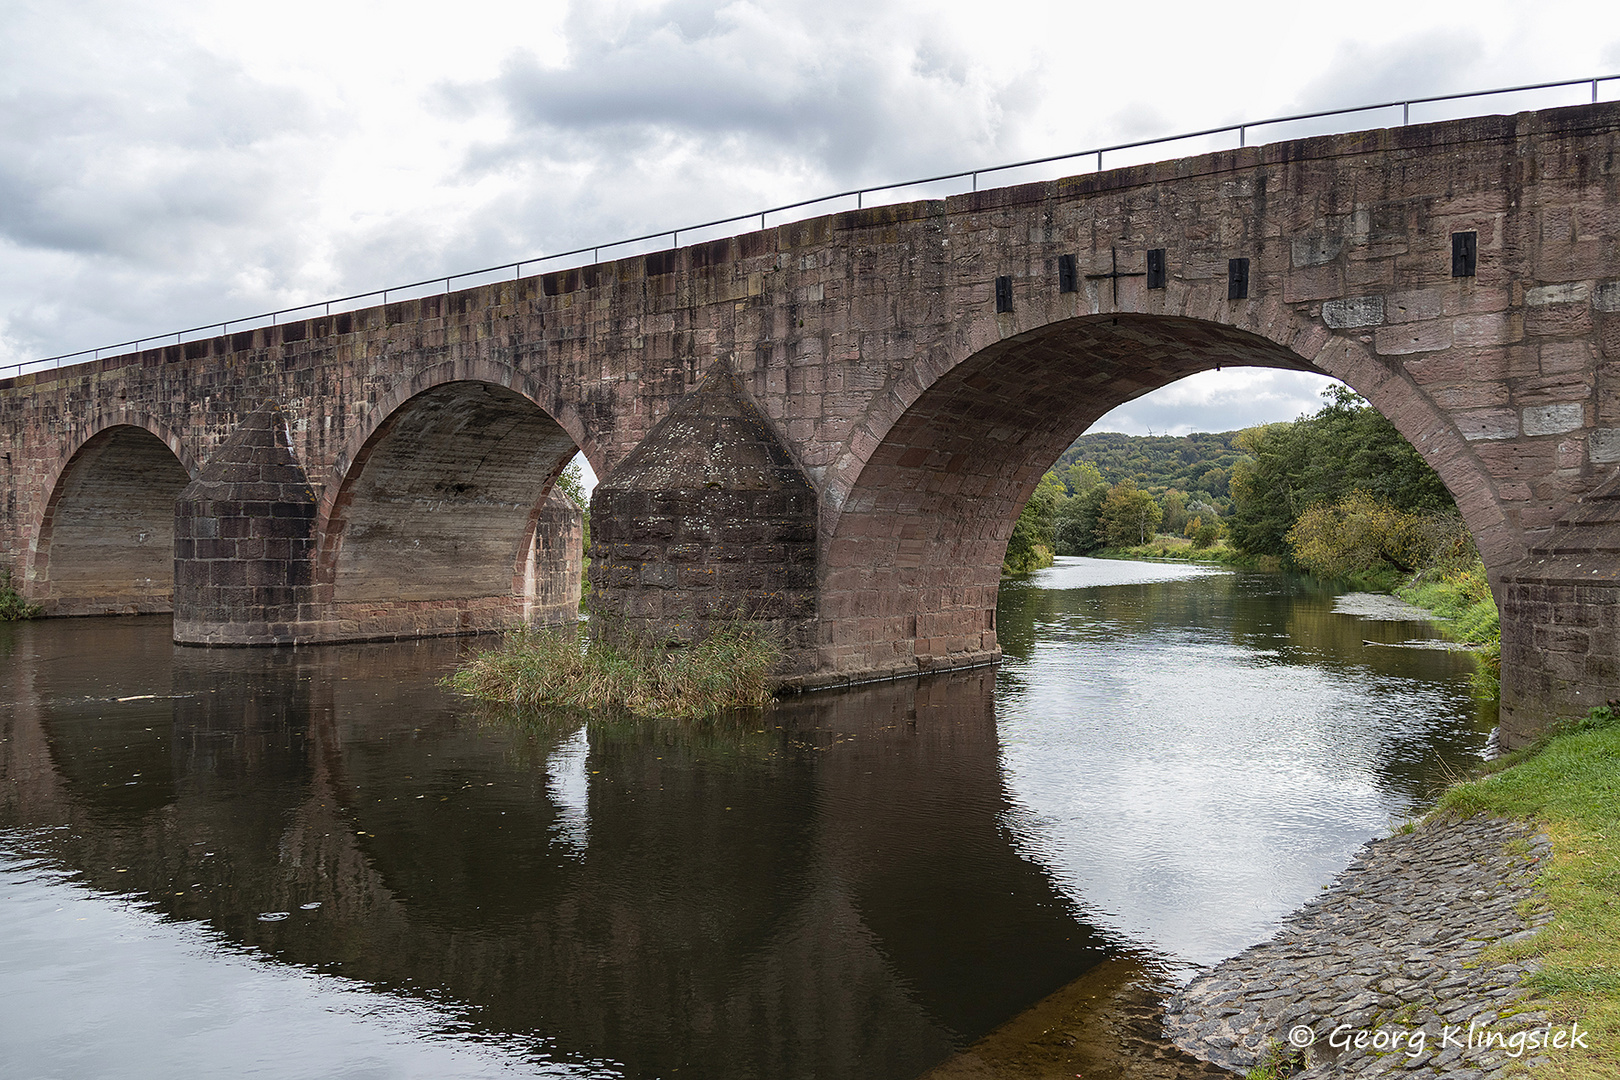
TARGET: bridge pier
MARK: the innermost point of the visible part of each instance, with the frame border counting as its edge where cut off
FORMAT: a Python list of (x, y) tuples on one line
[(854, 407), (707, 522), (244, 549), (1561, 620)]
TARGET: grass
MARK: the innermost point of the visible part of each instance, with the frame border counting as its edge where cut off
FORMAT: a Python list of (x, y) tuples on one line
[(1278, 1063), (12, 604), (1569, 784), (1179, 548), (1461, 596), (567, 668)]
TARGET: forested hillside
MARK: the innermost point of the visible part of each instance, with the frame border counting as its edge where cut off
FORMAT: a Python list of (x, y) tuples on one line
[(1339, 491), (1197, 462)]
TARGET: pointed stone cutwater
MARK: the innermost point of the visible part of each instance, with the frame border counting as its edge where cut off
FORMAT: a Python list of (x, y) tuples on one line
[(1561, 618), (709, 520), (244, 542)]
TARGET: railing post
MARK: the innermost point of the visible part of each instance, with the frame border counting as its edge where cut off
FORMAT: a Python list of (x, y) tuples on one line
[(973, 175)]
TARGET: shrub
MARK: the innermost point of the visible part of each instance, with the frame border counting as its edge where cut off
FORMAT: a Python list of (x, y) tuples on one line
[(12, 604)]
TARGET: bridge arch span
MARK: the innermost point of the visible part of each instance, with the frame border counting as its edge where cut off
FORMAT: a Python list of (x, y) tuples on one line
[(444, 520), (104, 544), (563, 412), (912, 551)]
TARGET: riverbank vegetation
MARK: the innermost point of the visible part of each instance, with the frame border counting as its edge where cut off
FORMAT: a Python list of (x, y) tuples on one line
[(12, 604), (1569, 784), (569, 668), (1338, 494)]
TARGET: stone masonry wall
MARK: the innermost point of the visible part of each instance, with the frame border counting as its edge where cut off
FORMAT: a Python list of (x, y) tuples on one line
[(863, 338)]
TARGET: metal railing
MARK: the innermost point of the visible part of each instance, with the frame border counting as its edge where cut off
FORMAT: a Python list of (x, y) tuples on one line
[(324, 307)]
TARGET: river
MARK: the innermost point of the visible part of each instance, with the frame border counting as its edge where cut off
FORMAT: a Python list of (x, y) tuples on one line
[(318, 863)]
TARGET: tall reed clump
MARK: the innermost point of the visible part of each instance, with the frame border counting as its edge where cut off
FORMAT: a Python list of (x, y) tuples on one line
[(567, 668), (12, 604)]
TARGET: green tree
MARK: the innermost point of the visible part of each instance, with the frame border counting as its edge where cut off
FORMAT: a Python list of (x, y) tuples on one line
[(1267, 489), (1129, 516), (1359, 533), (1081, 478), (1075, 530), (1345, 446), (1175, 511), (572, 483), (1030, 545)]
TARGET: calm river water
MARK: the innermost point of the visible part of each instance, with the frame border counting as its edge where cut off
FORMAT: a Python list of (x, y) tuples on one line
[(316, 863)]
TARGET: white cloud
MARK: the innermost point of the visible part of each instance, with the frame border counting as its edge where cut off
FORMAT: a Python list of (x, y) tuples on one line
[(166, 163), (1225, 400)]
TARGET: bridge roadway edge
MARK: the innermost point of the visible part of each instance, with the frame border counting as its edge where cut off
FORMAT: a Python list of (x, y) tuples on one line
[(870, 344)]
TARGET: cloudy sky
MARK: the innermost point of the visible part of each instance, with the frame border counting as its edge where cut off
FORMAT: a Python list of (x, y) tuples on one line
[(169, 163)]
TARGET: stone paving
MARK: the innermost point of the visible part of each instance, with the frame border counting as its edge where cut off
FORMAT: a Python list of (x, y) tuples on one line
[(1381, 975)]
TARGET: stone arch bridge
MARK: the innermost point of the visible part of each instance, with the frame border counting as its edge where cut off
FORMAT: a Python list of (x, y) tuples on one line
[(830, 425)]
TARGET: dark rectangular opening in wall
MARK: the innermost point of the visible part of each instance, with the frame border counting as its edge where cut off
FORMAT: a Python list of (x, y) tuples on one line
[(660, 262), (1003, 294), (1155, 268), (1237, 279), (1464, 254), (1068, 274)]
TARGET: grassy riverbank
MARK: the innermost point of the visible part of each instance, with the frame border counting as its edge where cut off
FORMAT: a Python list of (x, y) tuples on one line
[(570, 669), (1181, 549), (1569, 783)]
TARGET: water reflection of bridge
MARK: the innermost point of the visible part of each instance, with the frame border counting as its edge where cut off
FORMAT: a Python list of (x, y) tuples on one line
[(834, 894)]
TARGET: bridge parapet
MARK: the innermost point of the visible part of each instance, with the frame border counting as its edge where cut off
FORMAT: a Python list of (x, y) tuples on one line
[(920, 365)]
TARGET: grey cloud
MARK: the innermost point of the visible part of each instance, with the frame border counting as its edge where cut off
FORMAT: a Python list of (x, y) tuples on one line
[(124, 146), (825, 82), (1263, 397), (1434, 63)]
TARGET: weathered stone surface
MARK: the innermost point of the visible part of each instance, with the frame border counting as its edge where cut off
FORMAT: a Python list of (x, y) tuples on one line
[(244, 542), (106, 540), (707, 521), (1353, 312), (556, 562), (920, 416), (1392, 950), (1561, 618)]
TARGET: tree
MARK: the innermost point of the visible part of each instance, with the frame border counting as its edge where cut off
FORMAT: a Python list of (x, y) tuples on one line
[(1175, 511), (572, 483), (1030, 545), (1359, 533), (1075, 530), (1081, 478), (1344, 447), (1129, 515)]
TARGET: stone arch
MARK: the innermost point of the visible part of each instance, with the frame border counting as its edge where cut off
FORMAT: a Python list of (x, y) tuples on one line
[(105, 542), (563, 412), (435, 524), (913, 548)]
